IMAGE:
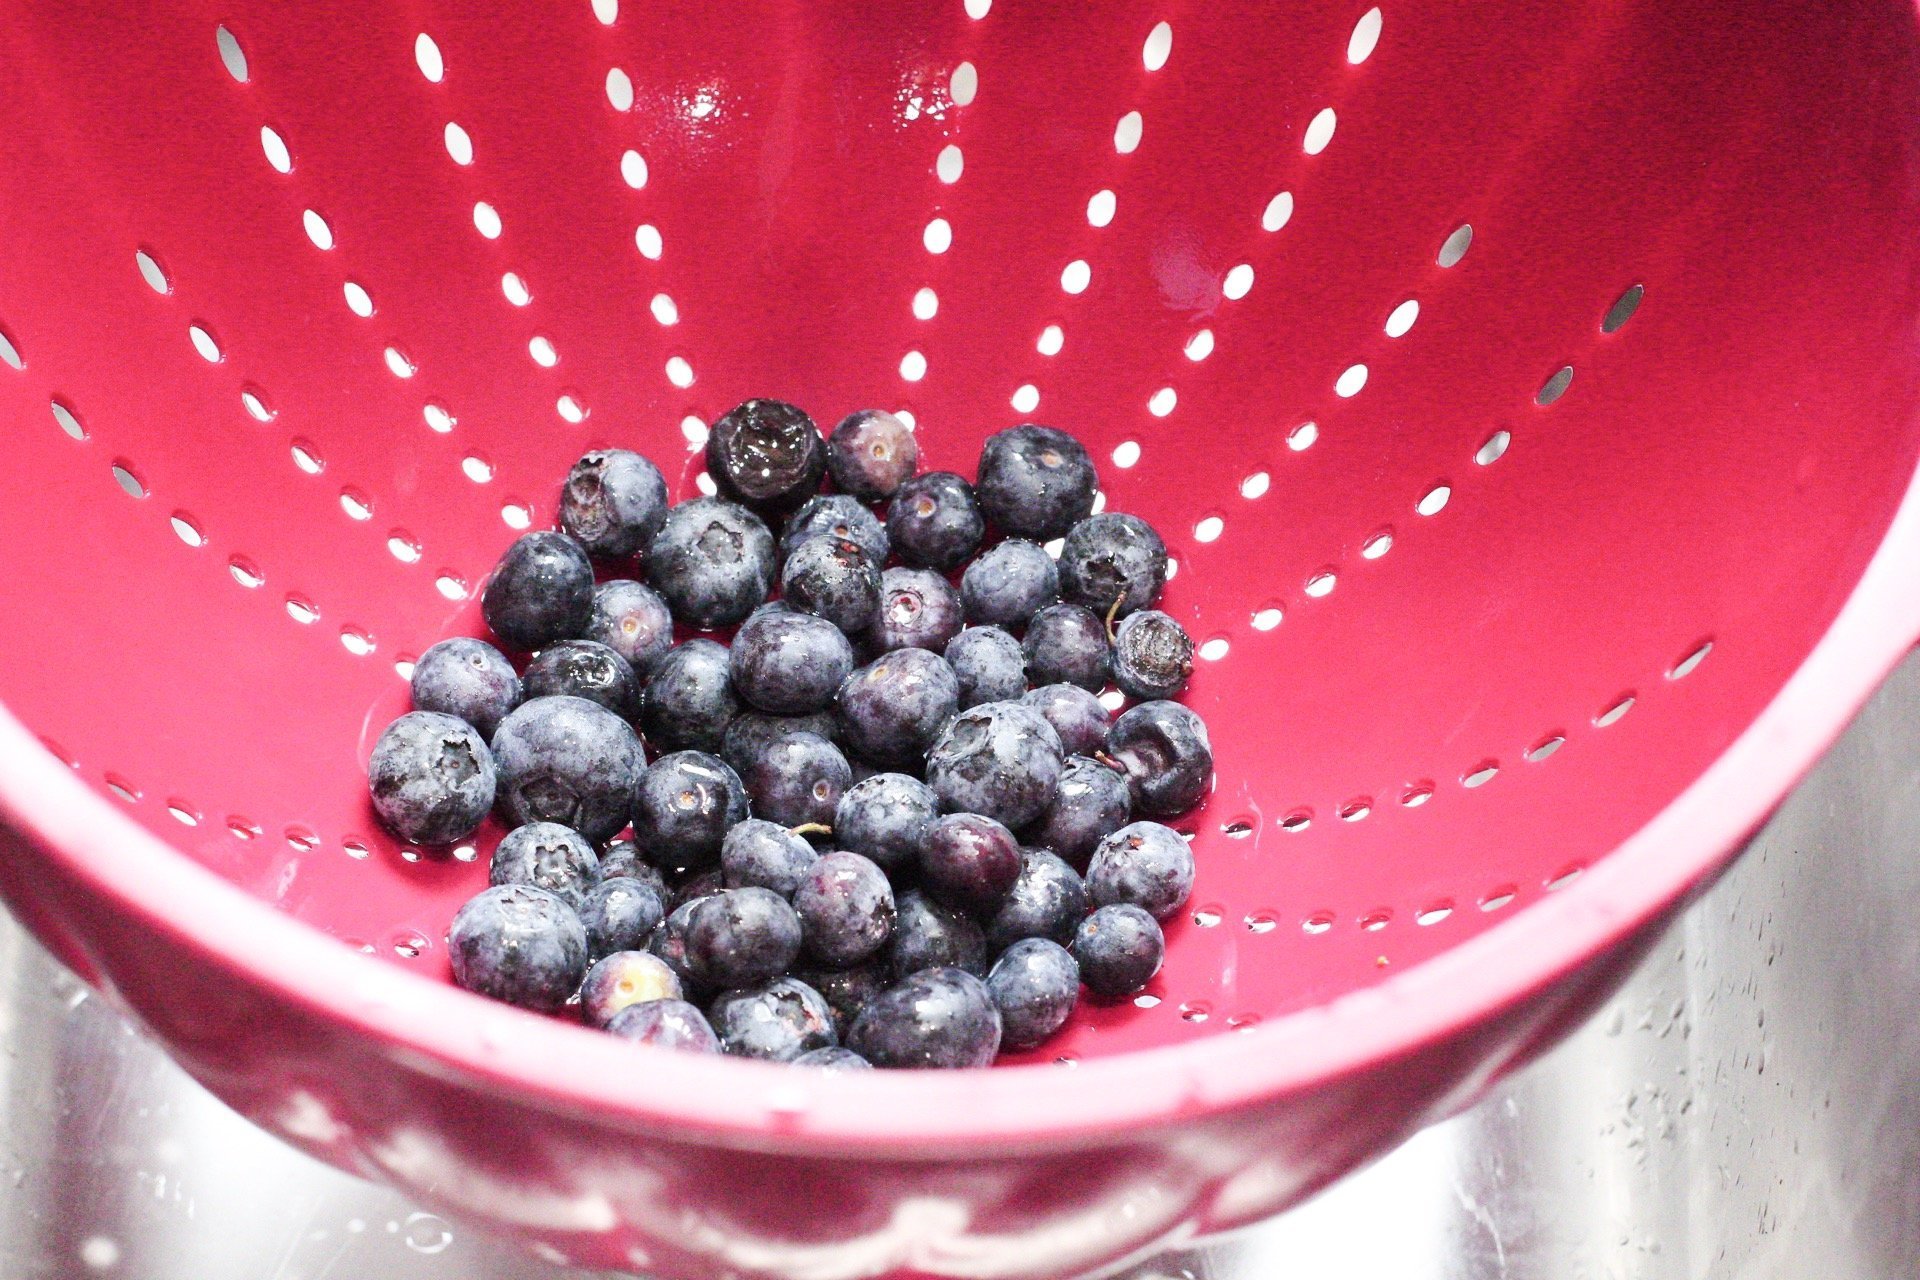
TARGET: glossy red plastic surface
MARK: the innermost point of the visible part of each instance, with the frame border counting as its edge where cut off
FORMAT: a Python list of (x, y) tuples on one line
[(339, 291)]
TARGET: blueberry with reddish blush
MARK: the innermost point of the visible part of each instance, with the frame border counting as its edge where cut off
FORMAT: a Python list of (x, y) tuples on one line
[(919, 609), (631, 619), (933, 522), (969, 862), (467, 679), (871, 454)]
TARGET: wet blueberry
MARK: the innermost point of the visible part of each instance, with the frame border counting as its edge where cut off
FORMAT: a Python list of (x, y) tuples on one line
[(689, 700), (540, 592), (1066, 644), (519, 944), (765, 855), (621, 914), (666, 1024), (1035, 985), (797, 780), (789, 663), (752, 732), (1001, 759), (585, 670), (934, 523), (848, 990), (614, 502), (712, 562), (621, 857), (1036, 482), (1168, 758), (989, 664), (845, 905), (1047, 901), (837, 515), (696, 885), (885, 819), (777, 1022), (834, 579), (622, 978), (467, 679), (871, 454), (741, 937), (933, 1018), (547, 856), (1145, 864), (1119, 949), (892, 708), (683, 805), (766, 454), (631, 619), (833, 1059), (432, 778), (1091, 802), (919, 609), (926, 935), (567, 760), (969, 862), (1008, 584), (1112, 557), (669, 941), (1075, 714), (1152, 655)]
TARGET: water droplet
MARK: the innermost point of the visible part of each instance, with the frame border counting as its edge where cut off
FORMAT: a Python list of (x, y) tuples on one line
[(427, 1234)]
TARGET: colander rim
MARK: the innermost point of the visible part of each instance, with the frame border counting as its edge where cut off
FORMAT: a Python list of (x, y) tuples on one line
[(726, 1101)]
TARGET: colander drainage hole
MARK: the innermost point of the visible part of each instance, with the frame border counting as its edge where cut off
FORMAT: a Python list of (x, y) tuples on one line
[(1145, 1001), (183, 813), (1545, 747), (1298, 820), (1417, 794), (68, 420), (1261, 922), (1455, 246), (150, 272), (1685, 667), (1613, 713), (1433, 914), (1564, 878), (301, 840), (1195, 1011), (1206, 917), (243, 828), (1622, 310), (1481, 774), (1554, 387), (1498, 898), (122, 788), (187, 530), (1318, 922), (1376, 920), (245, 572), (128, 481)]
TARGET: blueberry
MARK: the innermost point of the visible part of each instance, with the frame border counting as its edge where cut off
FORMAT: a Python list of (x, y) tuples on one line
[(1047, 901), (668, 941), (927, 934), (765, 855), (1112, 557), (683, 805), (1075, 714), (933, 1018), (885, 819), (689, 700), (696, 885), (567, 760), (740, 937), (712, 562), (789, 663), (1035, 985), (752, 732), (1009, 583), (1066, 644), (871, 454), (620, 914), (467, 679), (1001, 759), (519, 944), (798, 780), (1091, 802), (834, 1059), (934, 523), (776, 1022), (547, 856), (833, 578), (989, 664), (1152, 655), (848, 990), (666, 1024), (432, 778), (766, 454), (892, 708), (1119, 949), (540, 592), (1145, 864), (587, 670), (1036, 482), (621, 857), (614, 502), (919, 609), (1169, 762), (631, 619), (622, 978), (837, 515), (969, 862), (845, 905)]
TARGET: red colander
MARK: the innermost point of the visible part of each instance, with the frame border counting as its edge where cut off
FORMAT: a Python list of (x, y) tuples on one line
[(1527, 392)]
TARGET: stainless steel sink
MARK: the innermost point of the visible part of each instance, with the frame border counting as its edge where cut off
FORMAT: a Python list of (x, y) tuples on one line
[(1748, 1108)]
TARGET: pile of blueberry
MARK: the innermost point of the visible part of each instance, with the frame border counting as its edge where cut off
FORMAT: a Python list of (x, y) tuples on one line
[(869, 835)]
